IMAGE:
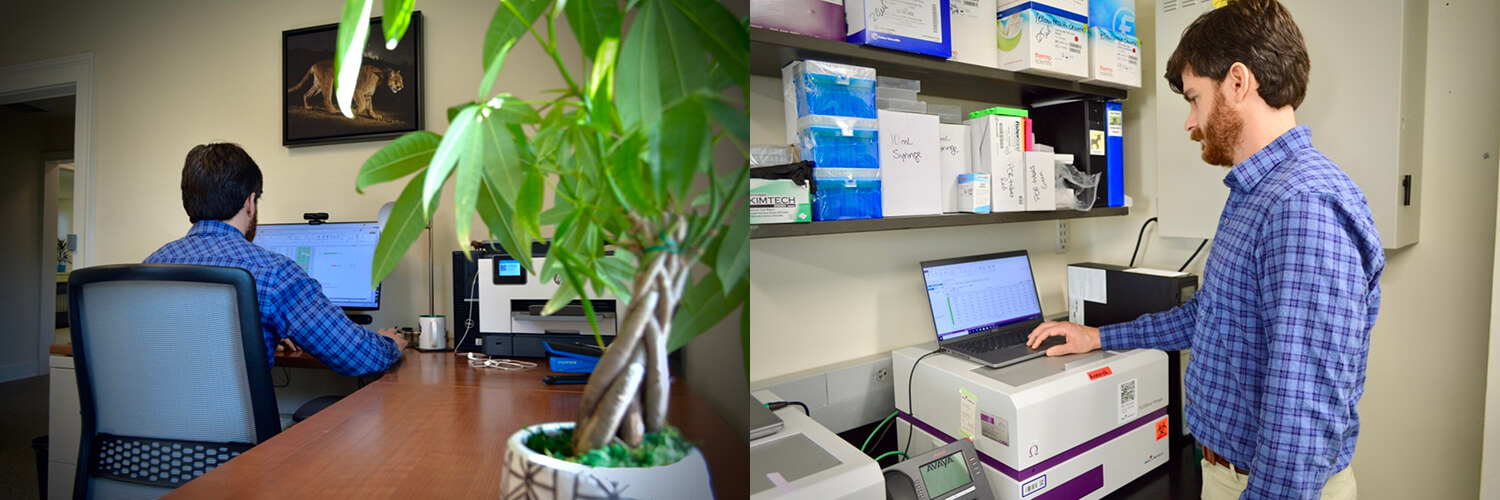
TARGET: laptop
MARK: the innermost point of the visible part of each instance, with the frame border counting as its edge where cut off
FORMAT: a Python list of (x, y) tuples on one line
[(984, 307), (763, 422)]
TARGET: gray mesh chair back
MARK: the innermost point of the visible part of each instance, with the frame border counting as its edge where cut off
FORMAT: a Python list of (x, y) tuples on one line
[(172, 372)]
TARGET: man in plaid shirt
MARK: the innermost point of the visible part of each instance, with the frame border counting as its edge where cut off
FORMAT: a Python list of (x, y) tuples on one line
[(221, 188), (1281, 329)]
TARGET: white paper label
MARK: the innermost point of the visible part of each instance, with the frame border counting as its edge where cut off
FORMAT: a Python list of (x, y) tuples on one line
[(1087, 284), (968, 413), (994, 428), (1127, 400), (1096, 142), (917, 19), (1116, 122), (1075, 311)]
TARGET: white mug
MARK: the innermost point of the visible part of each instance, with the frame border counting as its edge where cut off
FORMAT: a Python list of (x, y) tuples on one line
[(434, 332)]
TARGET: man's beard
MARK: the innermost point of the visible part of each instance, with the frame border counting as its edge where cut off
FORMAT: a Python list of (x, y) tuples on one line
[(254, 221), (1220, 134)]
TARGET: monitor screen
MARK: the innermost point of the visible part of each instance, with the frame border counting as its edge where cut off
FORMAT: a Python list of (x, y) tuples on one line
[(980, 295), (338, 255), (945, 474)]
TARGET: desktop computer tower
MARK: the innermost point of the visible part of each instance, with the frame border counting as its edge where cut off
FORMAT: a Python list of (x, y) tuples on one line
[(1104, 294)]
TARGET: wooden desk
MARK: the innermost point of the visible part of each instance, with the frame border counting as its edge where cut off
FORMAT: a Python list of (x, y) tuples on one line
[(434, 427), (299, 359)]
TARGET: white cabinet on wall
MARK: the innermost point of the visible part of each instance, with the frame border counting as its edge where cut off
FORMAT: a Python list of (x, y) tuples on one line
[(1364, 105)]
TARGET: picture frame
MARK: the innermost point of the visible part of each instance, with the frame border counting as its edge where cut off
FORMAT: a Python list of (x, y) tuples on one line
[(387, 100)]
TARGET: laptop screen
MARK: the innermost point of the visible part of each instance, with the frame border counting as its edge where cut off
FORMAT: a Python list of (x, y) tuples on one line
[(976, 294)]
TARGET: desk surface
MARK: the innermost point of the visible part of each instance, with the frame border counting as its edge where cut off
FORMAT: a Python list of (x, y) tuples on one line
[(434, 427)]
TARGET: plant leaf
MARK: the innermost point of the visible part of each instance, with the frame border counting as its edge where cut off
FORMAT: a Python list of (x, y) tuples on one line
[(593, 21), (511, 21), (497, 217), (354, 29), (447, 155), (408, 219), (733, 260), (397, 18), (726, 38), (679, 147), (711, 307), (625, 177), (661, 61), (502, 160), (513, 110), (601, 82), (731, 118), (529, 203), (407, 154), (618, 270), (466, 188)]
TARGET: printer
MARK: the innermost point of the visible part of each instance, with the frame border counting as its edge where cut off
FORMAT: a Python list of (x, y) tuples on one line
[(497, 307), (1083, 425)]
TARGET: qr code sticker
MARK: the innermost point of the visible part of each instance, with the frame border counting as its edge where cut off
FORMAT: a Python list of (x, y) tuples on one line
[(1127, 400)]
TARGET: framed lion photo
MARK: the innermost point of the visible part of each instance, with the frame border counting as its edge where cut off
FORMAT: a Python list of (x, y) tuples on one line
[(387, 97)]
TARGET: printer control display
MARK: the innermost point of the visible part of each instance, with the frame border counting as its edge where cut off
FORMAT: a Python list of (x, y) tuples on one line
[(945, 474)]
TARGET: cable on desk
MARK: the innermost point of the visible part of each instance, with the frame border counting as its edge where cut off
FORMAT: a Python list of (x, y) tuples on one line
[(1138, 238), (478, 360), (909, 407), (889, 453), (1194, 256), (777, 405)]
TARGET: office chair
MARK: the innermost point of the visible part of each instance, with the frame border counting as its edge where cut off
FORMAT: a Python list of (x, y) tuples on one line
[(173, 378)]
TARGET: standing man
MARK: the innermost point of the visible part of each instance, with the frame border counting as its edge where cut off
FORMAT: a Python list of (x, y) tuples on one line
[(1281, 328), (221, 189)]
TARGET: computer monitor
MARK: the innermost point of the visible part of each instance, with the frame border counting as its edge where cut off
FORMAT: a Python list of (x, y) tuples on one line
[(337, 254)]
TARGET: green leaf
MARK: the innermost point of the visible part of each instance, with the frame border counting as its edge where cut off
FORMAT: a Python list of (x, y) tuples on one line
[(453, 111), (731, 118), (497, 217), (512, 110), (407, 154), (408, 219), (725, 37), (466, 189), (560, 208), (397, 18), (601, 81), (354, 29), (679, 147), (626, 179), (511, 21), (733, 261), (593, 21), (661, 61), (574, 279), (703, 306), (529, 203), (561, 297), (618, 271), (447, 155), (503, 162)]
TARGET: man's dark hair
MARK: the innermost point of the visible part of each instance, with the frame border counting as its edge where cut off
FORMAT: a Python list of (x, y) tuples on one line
[(1258, 33), (216, 179)]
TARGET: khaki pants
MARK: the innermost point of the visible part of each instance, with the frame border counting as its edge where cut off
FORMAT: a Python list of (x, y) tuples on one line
[(1221, 483)]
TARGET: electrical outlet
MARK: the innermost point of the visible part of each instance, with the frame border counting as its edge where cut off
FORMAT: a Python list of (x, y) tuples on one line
[(882, 375), (1062, 236)]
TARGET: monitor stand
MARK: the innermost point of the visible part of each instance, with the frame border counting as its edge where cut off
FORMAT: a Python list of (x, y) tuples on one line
[(361, 319)]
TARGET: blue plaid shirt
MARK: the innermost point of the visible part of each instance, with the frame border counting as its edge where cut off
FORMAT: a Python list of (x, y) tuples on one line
[(292, 304), (1281, 328)]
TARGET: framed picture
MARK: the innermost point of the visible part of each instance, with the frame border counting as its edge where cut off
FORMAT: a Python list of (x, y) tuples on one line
[(387, 99)]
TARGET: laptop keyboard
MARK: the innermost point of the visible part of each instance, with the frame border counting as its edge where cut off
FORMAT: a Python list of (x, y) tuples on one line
[(994, 342)]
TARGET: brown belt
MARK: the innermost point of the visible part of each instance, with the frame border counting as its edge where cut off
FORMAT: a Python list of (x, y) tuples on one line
[(1214, 459)]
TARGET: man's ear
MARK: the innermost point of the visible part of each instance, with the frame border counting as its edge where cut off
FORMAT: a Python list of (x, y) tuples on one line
[(249, 206), (1239, 82)]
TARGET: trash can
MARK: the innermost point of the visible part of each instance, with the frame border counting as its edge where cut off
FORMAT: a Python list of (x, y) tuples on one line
[(40, 445)]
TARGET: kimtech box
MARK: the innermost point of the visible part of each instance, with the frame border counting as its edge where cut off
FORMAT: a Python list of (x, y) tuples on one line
[(1114, 49), (781, 193), (917, 26), (1044, 37)]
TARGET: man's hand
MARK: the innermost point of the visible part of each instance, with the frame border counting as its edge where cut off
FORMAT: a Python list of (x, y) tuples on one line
[(286, 344), (391, 332), (1080, 339)]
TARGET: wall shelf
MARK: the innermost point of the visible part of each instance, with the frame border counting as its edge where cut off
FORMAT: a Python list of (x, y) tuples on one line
[(771, 50), (759, 231)]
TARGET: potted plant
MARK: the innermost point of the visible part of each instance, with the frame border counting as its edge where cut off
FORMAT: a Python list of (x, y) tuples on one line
[(625, 150), (64, 256)]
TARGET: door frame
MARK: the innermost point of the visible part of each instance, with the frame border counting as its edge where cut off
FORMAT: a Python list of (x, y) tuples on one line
[(72, 75)]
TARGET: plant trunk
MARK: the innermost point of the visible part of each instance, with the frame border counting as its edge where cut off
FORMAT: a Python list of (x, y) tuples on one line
[(629, 390)]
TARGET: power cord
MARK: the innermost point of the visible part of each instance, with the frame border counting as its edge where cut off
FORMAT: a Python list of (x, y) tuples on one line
[(777, 405), (909, 395), (469, 320), (1138, 238), (877, 428), (1194, 256)]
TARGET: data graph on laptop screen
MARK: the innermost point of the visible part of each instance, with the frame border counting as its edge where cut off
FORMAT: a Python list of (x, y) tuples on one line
[(338, 255), (971, 297)]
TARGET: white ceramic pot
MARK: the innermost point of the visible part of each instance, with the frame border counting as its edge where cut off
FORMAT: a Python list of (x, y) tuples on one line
[(529, 474)]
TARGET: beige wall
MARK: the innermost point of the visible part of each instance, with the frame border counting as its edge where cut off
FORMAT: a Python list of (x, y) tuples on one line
[(821, 300)]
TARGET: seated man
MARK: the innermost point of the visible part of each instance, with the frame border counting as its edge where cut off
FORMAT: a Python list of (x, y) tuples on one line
[(221, 187)]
